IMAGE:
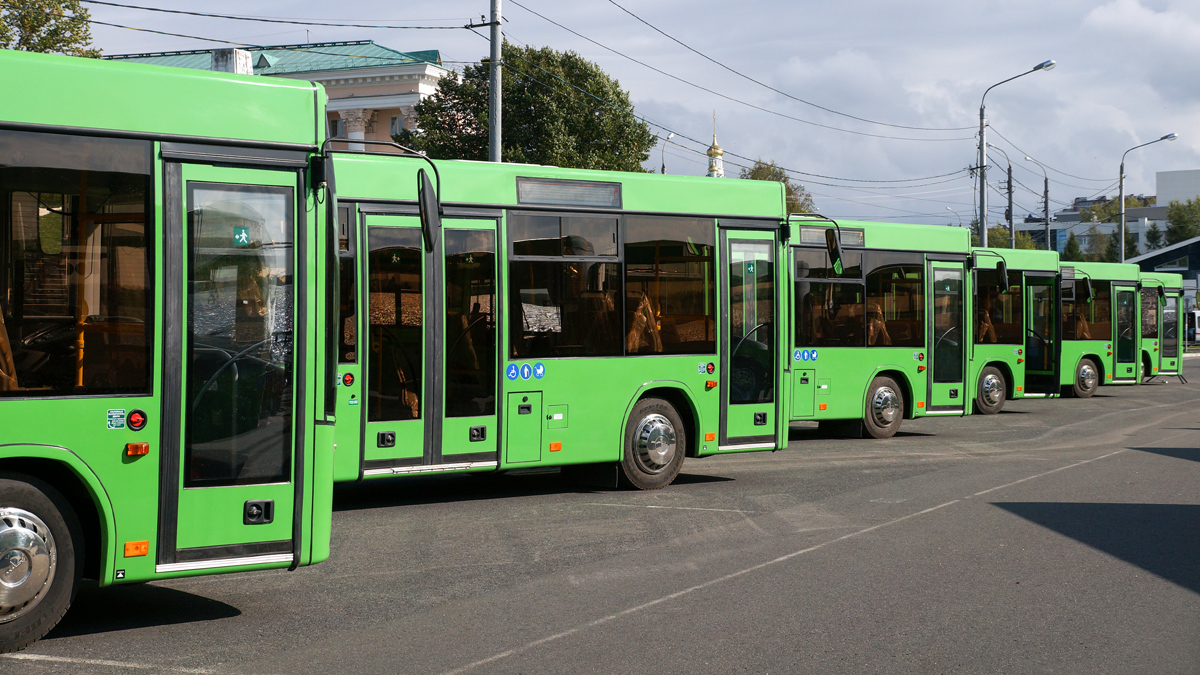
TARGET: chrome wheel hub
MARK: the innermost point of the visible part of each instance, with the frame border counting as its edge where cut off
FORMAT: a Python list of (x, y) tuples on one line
[(28, 559), (656, 445), (992, 390), (885, 406), (1088, 377)]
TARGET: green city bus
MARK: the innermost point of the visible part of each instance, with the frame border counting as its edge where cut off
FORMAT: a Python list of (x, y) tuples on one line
[(608, 323), (1099, 324), (879, 335), (1161, 348), (1017, 348), (162, 353)]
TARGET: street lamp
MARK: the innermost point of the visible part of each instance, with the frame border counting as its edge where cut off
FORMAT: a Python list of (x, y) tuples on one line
[(1044, 65), (664, 152), (955, 213), (1121, 181), (1045, 198)]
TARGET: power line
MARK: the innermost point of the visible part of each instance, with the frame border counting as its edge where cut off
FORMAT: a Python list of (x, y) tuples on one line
[(730, 98), (767, 86), (294, 22), (1093, 180)]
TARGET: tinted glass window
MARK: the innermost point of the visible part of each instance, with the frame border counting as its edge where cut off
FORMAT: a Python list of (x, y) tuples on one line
[(76, 313), (1101, 313), (751, 322), (239, 312), (589, 236), (1126, 316), (396, 355), (830, 314), (947, 326), (813, 263), (669, 285), (1150, 312), (895, 307), (347, 311), (470, 323), (999, 308), (564, 308), (535, 235), (1170, 320)]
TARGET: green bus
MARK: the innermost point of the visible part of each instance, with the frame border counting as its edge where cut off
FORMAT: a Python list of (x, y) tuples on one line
[(881, 334), (1017, 346), (1100, 325), (1161, 348), (162, 408), (608, 323)]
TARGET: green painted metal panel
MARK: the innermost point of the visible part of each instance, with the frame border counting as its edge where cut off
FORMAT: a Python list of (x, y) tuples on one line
[(524, 424)]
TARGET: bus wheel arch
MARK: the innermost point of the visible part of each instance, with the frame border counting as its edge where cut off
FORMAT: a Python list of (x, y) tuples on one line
[(989, 398), (78, 496), (682, 401), (906, 391), (1085, 383), (883, 412)]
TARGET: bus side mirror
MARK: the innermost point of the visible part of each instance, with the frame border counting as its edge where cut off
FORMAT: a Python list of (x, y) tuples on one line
[(1162, 292), (1088, 293), (1002, 270), (834, 248), (431, 210)]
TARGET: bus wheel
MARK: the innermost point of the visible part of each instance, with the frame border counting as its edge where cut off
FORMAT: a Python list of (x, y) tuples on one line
[(885, 408), (990, 397), (38, 571), (655, 442), (1087, 379)]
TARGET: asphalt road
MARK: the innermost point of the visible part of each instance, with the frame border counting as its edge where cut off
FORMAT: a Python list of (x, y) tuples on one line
[(1059, 536)]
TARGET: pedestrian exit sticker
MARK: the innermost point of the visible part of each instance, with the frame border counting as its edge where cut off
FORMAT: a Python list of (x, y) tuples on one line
[(241, 236)]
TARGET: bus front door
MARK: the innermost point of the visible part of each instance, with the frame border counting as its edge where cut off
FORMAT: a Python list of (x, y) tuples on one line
[(235, 369), (429, 376), (1042, 346), (749, 367), (1125, 369), (946, 383)]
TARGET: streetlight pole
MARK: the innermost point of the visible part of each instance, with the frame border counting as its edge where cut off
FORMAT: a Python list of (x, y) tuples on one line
[(956, 214), (1121, 181), (983, 217), (664, 152), (494, 135), (1045, 199), (1012, 233)]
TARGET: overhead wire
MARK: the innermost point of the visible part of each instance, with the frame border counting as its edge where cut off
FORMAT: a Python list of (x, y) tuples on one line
[(731, 98), (294, 22), (767, 86)]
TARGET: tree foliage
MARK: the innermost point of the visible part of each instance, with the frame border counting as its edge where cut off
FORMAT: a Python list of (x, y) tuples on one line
[(544, 118), (998, 236), (1183, 220), (1071, 251), (47, 26), (798, 198), (1154, 238), (1109, 211)]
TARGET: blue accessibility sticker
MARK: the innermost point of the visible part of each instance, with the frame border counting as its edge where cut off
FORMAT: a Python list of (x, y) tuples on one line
[(813, 355), (804, 355), (796, 355), (512, 371), (539, 370), (526, 371)]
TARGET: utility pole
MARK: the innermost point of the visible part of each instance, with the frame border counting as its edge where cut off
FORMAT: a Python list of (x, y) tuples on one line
[(1046, 211), (494, 135), (1012, 232)]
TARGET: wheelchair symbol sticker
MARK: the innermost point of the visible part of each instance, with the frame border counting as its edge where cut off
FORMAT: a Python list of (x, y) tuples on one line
[(512, 371), (796, 355)]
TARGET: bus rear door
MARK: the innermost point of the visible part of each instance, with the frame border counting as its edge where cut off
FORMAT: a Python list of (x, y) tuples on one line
[(1126, 360), (946, 391), (1043, 347), (748, 341)]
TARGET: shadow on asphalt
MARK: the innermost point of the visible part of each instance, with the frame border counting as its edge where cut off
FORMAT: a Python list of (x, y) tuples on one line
[(1178, 453), (411, 490), (118, 608), (1163, 539)]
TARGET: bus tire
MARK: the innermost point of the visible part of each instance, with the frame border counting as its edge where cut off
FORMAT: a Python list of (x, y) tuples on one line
[(1087, 379), (885, 408), (655, 443), (39, 562), (991, 391)]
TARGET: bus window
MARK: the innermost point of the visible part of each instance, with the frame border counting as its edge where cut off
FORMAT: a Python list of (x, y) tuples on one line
[(947, 320), (999, 308), (751, 322), (396, 357), (560, 305), (470, 323), (1099, 315), (830, 306), (75, 293), (1170, 337), (670, 273), (347, 337), (895, 308), (1150, 312)]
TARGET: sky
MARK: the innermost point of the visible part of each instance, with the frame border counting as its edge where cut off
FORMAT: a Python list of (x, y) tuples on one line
[(1127, 72)]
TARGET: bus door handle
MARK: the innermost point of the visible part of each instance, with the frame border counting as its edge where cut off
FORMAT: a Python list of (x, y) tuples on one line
[(525, 409)]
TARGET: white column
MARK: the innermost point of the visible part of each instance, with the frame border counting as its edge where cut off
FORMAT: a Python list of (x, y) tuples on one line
[(357, 120)]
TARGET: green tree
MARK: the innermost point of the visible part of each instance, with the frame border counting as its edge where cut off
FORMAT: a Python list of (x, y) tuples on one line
[(1108, 211), (1071, 251), (998, 236), (545, 118), (1154, 238), (47, 26), (1183, 220), (798, 199), (1096, 246)]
